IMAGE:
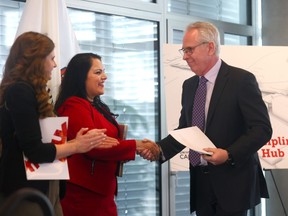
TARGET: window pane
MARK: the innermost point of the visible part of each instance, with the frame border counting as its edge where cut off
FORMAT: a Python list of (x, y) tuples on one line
[(177, 36), (9, 19), (129, 48), (230, 39), (233, 11)]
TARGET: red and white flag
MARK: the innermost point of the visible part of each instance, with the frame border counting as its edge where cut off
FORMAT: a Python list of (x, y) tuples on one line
[(50, 17)]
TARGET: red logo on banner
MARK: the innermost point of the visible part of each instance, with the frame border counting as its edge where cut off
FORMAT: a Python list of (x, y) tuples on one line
[(29, 166)]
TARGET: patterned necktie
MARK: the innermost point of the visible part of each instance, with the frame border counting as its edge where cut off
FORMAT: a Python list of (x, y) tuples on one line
[(198, 116)]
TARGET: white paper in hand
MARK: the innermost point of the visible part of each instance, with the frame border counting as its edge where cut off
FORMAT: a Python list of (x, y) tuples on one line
[(53, 129), (193, 138)]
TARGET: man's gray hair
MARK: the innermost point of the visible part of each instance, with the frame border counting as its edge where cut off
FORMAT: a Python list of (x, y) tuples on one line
[(208, 33)]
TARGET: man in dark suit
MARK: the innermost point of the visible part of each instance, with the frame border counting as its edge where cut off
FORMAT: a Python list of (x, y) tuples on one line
[(230, 181)]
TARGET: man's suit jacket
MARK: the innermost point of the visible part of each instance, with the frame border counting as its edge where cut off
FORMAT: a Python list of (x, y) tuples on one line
[(237, 121)]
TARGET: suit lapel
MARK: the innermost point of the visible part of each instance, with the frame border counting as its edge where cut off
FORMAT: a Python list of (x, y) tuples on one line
[(220, 84)]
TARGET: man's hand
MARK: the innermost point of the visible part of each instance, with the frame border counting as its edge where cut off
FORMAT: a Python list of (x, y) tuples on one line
[(148, 149), (219, 156)]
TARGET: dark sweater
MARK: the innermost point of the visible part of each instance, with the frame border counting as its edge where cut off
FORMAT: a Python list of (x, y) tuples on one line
[(20, 132)]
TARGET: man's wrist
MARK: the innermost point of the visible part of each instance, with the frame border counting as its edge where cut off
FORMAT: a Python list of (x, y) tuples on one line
[(161, 155), (230, 161)]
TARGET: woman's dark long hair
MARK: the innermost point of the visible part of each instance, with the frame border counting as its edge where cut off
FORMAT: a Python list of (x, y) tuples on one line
[(73, 84)]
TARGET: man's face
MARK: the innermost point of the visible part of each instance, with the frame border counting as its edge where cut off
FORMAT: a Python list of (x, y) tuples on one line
[(197, 53)]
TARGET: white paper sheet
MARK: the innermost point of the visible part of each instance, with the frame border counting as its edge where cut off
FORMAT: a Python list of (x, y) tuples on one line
[(193, 138), (53, 129)]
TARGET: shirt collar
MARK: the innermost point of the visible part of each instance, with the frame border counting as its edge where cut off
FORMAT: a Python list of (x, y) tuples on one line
[(213, 72)]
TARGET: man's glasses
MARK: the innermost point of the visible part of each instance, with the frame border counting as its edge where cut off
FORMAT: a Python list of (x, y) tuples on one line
[(190, 50)]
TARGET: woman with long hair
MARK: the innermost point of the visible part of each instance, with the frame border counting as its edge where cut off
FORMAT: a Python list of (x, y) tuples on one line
[(24, 100)]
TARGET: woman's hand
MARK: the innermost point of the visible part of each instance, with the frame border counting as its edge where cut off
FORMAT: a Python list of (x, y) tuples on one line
[(85, 141), (108, 142), (95, 138)]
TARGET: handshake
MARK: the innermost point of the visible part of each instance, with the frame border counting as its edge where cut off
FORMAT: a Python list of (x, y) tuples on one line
[(148, 149)]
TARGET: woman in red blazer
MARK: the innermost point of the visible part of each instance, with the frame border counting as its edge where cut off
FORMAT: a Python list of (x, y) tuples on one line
[(93, 183)]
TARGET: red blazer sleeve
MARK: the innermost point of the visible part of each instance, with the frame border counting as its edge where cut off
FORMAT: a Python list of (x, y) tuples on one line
[(81, 114)]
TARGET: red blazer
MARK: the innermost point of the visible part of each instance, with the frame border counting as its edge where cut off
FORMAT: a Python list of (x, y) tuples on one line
[(96, 169)]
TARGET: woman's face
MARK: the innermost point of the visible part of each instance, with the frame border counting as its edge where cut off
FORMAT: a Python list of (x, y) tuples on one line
[(95, 79), (49, 65)]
